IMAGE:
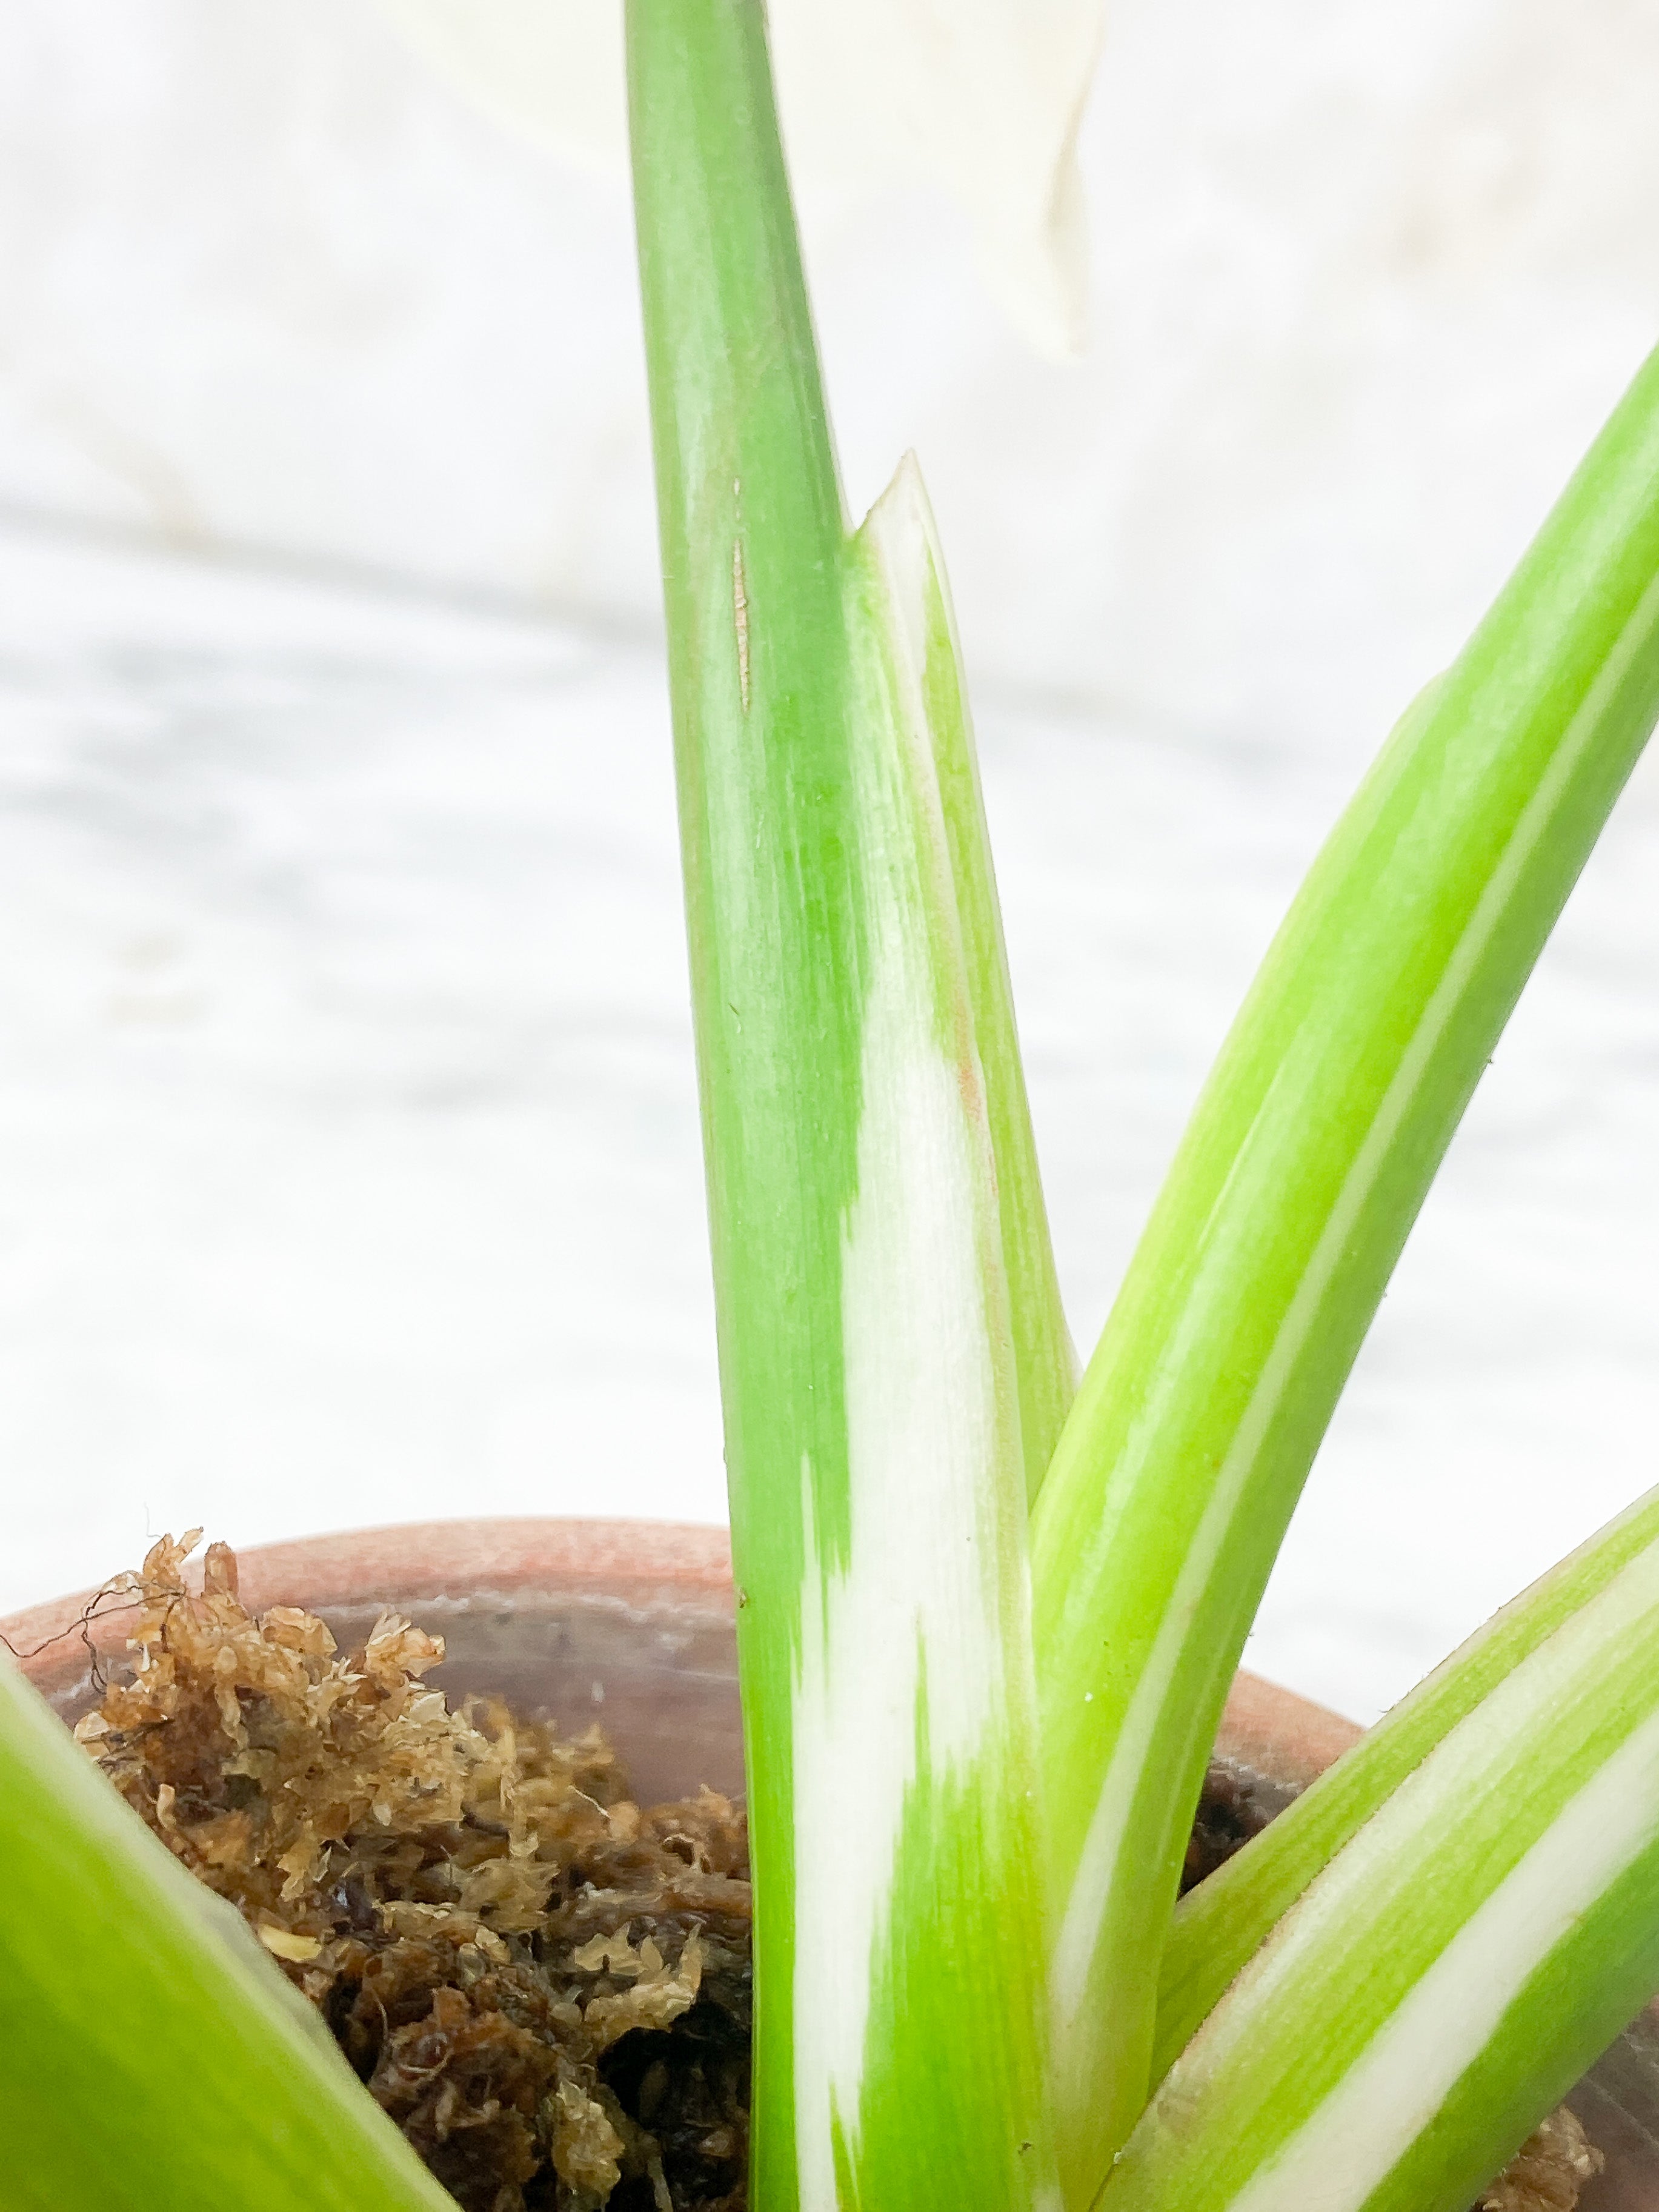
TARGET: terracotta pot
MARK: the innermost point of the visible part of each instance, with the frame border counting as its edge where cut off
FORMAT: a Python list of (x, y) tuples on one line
[(631, 1623)]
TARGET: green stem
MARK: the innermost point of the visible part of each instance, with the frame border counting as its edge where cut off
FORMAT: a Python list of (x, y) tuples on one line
[(1308, 1154), (750, 516)]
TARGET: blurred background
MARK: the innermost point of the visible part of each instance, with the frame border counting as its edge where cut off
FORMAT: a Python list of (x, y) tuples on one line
[(350, 1157)]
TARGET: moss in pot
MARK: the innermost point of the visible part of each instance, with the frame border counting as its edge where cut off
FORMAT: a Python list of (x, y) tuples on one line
[(544, 1985), (995, 1605)]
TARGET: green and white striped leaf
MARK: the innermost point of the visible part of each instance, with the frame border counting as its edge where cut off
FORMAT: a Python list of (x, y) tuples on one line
[(1449, 1975), (1218, 1926), (153, 2055), (900, 538), (919, 2076), (870, 1367), (1310, 1152)]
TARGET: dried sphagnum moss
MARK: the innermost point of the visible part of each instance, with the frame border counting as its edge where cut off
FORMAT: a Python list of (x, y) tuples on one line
[(1548, 2171), (547, 1988)]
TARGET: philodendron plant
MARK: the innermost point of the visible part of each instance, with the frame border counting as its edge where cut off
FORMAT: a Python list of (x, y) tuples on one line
[(989, 1611)]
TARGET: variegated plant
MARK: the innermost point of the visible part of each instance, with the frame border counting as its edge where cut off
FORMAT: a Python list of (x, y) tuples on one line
[(987, 1615)]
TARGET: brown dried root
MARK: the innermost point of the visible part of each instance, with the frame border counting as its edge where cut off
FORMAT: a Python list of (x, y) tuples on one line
[(1548, 2171), (546, 1987)]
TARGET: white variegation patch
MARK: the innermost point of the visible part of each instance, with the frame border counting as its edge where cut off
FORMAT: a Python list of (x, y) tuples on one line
[(918, 1590), (917, 1613)]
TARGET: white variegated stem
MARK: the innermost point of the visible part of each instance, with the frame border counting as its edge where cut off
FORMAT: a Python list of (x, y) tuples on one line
[(1218, 1925), (1447, 1977), (918, 2070), (869, 1360)]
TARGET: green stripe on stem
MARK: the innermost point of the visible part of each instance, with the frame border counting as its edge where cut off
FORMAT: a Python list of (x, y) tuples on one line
[(1307, 1158), (872, 1406), (1219, 1924), (751, 518), (1438, 1988), (150, 2060)]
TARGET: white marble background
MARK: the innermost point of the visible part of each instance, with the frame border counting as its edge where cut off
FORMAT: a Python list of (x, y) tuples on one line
[(1367, 274), (345, 1109)]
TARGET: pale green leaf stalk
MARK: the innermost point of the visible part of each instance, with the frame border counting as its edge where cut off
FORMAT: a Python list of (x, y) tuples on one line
[(1218, 1926), (867, 1343), (1307, 1158), (1445, 1980), (149, 2059), (1043, 1356)]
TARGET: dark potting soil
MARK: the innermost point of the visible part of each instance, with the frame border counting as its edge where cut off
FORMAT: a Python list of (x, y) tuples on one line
[(1231, 1810), (544, 1985)]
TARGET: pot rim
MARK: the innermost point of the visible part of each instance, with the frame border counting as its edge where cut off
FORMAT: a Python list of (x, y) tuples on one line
[(640, 1563)]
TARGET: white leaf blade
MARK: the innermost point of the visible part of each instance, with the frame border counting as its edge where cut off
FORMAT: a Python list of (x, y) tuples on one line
[(983, 99)]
